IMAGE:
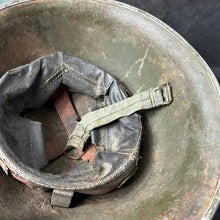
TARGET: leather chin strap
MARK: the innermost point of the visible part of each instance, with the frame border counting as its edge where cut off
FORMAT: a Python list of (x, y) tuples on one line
[(79, 132), (68, 116)]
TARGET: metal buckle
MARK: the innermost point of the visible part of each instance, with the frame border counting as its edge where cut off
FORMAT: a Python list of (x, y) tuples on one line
[(165, 92)]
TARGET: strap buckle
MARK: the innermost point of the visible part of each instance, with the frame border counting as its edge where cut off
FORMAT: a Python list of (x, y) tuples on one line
[(161, 95)]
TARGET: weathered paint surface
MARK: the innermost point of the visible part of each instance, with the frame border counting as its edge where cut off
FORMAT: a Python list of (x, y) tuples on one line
[(180, 155)]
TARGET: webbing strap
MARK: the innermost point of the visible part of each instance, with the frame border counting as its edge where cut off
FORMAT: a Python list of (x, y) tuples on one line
[(159, 96)]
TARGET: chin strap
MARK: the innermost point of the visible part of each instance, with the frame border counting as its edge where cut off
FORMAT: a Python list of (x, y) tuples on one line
[(152, 98)]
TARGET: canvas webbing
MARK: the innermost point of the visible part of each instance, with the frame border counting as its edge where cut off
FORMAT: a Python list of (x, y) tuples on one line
[(152, 98)]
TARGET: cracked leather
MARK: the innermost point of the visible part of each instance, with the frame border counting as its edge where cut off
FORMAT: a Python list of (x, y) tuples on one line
[(32, 85)]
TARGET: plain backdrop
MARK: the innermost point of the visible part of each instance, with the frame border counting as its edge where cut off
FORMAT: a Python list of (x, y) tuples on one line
[(198, 21)]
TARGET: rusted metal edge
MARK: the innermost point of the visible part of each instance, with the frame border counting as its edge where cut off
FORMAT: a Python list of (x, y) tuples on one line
[(216, 199), (13, 3), (213, 205)]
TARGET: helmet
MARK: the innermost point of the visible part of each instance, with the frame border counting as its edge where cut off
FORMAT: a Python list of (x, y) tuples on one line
[(178, 172)]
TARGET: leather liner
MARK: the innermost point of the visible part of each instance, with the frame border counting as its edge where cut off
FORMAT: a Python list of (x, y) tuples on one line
[(21, 140)]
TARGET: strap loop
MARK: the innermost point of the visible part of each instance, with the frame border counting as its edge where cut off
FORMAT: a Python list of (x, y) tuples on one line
[(62, 198)]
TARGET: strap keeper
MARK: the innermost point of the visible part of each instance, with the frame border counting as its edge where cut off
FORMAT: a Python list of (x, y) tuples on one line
[(62, 198), (77, 145)]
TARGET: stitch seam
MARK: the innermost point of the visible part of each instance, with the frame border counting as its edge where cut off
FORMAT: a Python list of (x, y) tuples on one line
[(84, 77), (79, 73), (80, 79), (50, 81), (49, 84)]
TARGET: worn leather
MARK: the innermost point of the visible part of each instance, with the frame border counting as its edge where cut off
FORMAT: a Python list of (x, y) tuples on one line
[(31, 86)]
